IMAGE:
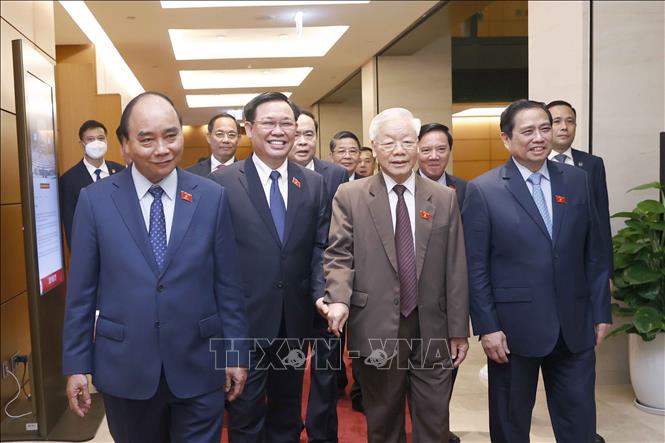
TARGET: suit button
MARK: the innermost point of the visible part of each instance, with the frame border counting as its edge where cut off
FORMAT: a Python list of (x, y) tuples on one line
[(396, 301), (280, 285), (157, 324), (160, 288)]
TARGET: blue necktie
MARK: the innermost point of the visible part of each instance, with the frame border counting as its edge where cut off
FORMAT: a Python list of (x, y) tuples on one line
[(98, 174), (539, 199), (561, 158), (157, 232), (277, 207)]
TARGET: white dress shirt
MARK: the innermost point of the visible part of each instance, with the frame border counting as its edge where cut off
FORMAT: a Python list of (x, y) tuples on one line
[(352, 176), (214, 163), (409, 199), (264, 175), (441, 180), (170, 186), (545, 183), (92, 168), (310, 165), (568, 153)]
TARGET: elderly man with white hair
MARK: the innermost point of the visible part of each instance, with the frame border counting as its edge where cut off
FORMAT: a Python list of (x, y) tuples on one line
[(396, 270)]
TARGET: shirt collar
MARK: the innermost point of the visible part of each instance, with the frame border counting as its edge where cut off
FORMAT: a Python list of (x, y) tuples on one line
[(264, 170), (409, 183), (568, 153), (169, 183), (214, 163), (526, 172), (310, 165), (442, 180), (91, 168)]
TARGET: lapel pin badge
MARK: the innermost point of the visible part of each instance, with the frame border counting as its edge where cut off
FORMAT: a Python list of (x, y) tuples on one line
[(186, 196), (296, 182), (560, 199), (112, 171), (425, 215)]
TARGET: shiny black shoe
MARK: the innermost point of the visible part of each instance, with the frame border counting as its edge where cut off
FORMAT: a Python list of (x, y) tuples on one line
[(453, 438), (598, 439)]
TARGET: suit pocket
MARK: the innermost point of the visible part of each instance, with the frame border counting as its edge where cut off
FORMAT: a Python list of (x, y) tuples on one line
[(210, 326), (509, 295), (358, 299), (109, 329)]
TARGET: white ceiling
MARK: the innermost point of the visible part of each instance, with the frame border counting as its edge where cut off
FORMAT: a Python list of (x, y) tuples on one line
[(140, 32)]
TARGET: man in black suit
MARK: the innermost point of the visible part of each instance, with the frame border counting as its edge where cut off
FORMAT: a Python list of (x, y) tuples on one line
[(92, 137), (223, 137), (321, 419), (345, 151), (281, 218)]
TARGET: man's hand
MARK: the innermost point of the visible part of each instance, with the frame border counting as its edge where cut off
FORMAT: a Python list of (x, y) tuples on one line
[(337, 315), (235, 382), (322, 308), (78, 394), (458, 349), (601, 331), (496, 346)]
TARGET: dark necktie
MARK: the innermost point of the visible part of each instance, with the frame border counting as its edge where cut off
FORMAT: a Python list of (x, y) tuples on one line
[(220, 166), (406, 257), (98, 174), (157, 231), (277, 207), (561, 158)]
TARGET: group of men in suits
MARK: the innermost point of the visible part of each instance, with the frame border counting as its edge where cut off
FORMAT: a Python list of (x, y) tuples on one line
[(224, 288)]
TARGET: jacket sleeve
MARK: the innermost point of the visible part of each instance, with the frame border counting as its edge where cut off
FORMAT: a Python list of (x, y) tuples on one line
[(338, 258), (457, 283)]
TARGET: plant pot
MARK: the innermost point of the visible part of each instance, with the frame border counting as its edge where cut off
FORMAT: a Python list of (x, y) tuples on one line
[(647, 372)]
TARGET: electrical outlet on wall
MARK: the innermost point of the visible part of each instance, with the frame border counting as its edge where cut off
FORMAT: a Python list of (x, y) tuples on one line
[(5, 368)]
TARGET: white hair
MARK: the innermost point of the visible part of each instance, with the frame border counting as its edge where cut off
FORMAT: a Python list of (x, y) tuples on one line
[(392, 114)]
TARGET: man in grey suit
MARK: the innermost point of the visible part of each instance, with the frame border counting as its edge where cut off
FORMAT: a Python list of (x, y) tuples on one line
[(223, 137)]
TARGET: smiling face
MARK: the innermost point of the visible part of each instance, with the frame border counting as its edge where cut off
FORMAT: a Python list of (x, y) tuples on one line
[(531, 140), (155, 141), (304, 146), (433, 154), (272, 132), (396, 148), (347, 154), (223, 139)]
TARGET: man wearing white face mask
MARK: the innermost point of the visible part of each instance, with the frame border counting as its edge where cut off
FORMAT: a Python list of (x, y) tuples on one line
[(92, 137)]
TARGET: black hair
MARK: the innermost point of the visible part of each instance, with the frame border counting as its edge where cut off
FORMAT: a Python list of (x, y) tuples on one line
[(211, 123), (249, 111), (561, 103), (310, 115), (431, 127), (507, 122), (367, 149), (123, 129), (90, 124), (340, 135)]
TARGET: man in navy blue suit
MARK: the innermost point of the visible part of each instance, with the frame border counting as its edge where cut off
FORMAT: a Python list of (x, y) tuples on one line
[(223, 137), (281, 219), (156, 255), (539, 281), (321, 419)]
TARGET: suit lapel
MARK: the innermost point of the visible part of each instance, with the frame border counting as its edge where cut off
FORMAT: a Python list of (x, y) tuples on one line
[(516, 186), (295, 198), (558, 209), (250, 180), (85, 175), (577, 158), (425, 213), (182, 214), (379, 208), (127, 203)]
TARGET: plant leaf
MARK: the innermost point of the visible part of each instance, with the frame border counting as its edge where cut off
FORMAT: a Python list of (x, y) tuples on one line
[(631, 247), (640, 273), (647, 319), (652, 185), (652, 206), (624, 215), (621, 329)]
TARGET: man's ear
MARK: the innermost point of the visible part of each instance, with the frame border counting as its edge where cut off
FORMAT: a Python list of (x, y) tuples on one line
[(506, 140), (248, 129)]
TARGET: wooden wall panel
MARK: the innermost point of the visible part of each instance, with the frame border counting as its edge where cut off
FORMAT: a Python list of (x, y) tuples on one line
[(468, 170), (12, 254), (465, 150), (7, 34), (10, 191), (15, 332), (108, 109)]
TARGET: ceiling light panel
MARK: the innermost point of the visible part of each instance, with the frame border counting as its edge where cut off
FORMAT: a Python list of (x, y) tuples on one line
[(243, 78), (221, 100), (215, 44), (480, 112), (222, 4)]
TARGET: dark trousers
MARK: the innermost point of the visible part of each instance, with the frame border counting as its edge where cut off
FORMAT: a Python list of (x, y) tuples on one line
[(569, 385), (165, 418), (268, 410), (385, 390), (326, 359)]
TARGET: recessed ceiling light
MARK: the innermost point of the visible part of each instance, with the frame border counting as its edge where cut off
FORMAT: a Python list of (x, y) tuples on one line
[(221, 37), (215, 100), (222, 4), (243, 78), (480, 112), (201, 44)]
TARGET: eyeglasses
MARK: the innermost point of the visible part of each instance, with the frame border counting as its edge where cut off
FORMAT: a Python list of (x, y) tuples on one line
[(269, 125), (307, 135), (342, 152), (408, 145), (230, 135)]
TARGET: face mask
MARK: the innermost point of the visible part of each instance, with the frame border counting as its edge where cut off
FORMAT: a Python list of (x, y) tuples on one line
[(96, 149)]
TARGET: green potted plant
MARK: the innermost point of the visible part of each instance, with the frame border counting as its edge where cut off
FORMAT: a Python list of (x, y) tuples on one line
[(639, 291)]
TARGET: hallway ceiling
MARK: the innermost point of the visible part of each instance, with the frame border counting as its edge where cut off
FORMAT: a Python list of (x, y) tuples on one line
[(140, 32)]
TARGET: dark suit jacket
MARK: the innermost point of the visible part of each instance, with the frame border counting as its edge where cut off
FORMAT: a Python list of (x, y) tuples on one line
[(522, 282), (282, 280), (595, 168), (455, 183), (201, 168), (333, 176), (149, 320), (71, 183)]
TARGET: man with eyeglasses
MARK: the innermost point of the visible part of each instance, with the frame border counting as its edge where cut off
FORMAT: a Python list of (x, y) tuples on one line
[(223, 137), (345, 151), (281, 218), (396, 269)]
